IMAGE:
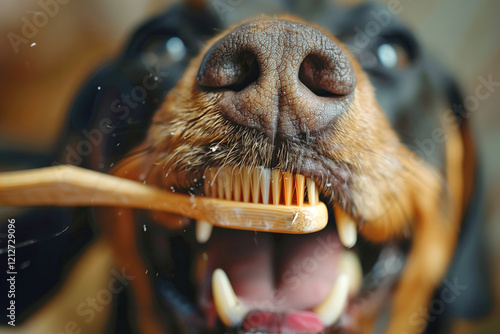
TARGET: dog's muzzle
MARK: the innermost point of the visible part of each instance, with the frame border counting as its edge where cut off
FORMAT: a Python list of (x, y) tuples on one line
[(280, 77)]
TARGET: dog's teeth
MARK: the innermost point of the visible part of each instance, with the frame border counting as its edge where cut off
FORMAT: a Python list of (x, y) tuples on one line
[(346, 228), (255, 184), (330, 310), (237, 184), (265, 184), (230, 310), (349, 265), (276, 185), (288, 188), (300, 188), (312, 193), (245, 183), (203, 231)]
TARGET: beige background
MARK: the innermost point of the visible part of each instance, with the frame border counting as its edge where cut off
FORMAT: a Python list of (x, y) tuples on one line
[(38, 82)]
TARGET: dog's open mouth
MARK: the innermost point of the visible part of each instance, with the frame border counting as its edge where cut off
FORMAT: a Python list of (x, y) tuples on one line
[(273, 282), (249, 124)]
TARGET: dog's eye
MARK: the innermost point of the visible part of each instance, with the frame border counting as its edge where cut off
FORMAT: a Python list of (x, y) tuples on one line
[(163, 51), (395, 51), (393, 55)]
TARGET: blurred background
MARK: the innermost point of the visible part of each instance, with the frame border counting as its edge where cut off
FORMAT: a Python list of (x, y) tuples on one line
[(43, 66)]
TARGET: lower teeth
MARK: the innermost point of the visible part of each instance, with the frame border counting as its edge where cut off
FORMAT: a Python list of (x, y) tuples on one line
[(232, 311)]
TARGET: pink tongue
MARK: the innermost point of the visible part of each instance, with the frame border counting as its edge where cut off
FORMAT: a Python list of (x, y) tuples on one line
[(290, 322), (294, 273), (301, 279)]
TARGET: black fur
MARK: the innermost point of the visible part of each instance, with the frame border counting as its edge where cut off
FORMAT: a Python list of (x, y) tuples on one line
[(100, 130)]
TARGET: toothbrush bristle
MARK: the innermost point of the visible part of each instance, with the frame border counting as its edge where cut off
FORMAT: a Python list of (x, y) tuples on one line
[(260, 185)]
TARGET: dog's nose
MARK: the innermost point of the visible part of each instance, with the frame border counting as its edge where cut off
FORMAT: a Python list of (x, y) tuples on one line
[(281, 77)]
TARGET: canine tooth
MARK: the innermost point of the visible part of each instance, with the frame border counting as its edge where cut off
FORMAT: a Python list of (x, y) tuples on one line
[(331, 308), (346, 228), (245, 183), (255, 184), (237, 184), (349, 265), (288, 187), (265, 184), (230, 310), (203, 231), (312, 192), (276, 185), (300, 188)]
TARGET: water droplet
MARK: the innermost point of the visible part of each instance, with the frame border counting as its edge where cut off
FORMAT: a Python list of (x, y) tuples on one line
[(98, 87)]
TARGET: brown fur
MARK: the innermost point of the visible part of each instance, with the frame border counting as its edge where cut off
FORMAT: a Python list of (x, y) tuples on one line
[(387, 189)]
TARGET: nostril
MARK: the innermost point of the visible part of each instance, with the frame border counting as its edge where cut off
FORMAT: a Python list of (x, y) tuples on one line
[(265, 73), (233, 71), (309, 75), (327, 77)]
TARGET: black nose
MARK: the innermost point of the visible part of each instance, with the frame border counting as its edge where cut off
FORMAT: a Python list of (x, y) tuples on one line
[(281, 77)]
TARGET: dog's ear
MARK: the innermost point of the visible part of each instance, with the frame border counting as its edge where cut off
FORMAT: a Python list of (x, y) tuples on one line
[(466, 287)]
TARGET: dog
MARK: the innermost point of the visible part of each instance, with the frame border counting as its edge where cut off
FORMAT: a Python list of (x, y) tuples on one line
[(351, 102)]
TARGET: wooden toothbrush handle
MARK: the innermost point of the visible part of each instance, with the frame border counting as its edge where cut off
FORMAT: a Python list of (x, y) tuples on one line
[(74, 186)]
